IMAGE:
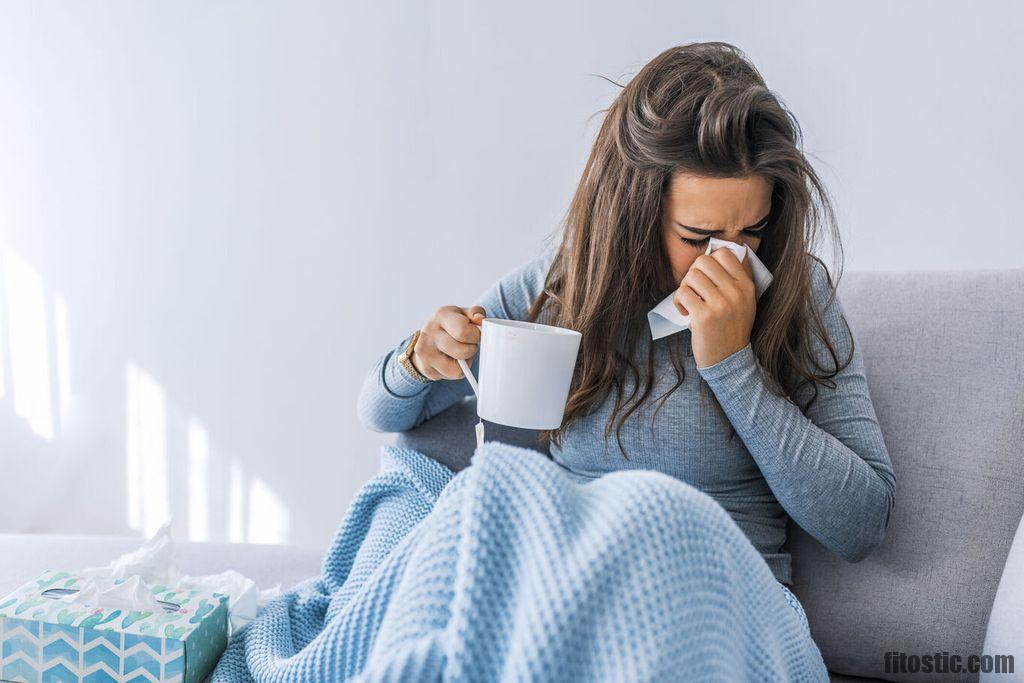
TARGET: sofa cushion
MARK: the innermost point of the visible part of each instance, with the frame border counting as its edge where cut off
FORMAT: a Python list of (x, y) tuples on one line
[(944, 354)]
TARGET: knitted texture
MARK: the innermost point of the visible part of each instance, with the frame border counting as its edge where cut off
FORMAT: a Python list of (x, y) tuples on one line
[(516, 570), (826, 468)]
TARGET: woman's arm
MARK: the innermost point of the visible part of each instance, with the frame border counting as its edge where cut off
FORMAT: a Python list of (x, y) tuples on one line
[(830, 469), (391, 400)]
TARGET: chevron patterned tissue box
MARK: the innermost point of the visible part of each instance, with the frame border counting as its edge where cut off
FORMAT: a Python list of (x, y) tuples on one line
[(47, 634)]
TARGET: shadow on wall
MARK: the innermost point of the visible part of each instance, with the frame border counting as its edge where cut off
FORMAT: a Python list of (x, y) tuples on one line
[(170, 468)]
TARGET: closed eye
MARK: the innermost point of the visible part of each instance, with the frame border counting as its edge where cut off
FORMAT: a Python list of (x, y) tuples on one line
[(704, 240), (757, 229)]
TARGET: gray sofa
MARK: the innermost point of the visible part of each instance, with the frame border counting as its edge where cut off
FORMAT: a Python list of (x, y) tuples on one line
[(945, 359), (944, 353)]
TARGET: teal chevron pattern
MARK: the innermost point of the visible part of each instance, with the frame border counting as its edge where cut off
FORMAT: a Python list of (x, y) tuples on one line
[(35, 652), (87, 645)]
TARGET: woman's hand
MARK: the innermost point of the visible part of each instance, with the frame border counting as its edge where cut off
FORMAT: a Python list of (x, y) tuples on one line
[(451, 333), (718, 294)]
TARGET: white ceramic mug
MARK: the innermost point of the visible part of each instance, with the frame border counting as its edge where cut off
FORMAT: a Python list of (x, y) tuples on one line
[(525, 371)]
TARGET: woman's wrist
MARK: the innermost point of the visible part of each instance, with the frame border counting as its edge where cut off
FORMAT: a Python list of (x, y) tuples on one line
[(408, 361), (730, 364), (420, 375)]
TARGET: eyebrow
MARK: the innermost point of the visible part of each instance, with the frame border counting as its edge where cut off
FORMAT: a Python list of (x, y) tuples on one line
[(710, 232)]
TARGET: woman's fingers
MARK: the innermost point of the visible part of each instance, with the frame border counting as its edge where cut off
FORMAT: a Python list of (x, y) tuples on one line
[(728, 285), (476, 314), (686, 300), (698, 281), (715, 271), (741, 272), (454, 348), (730, 263), (449, 335), (437, 361), (446, 367), (454, 321)]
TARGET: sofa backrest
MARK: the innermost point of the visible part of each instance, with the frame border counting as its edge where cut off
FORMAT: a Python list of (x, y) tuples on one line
[(944, 356)]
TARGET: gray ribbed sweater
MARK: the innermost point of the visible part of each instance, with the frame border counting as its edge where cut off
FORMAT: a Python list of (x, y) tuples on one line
[(828, 469)]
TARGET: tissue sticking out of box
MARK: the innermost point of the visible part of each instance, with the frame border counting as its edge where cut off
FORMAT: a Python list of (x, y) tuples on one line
[(665, 319), (127, 582), (103, 591)]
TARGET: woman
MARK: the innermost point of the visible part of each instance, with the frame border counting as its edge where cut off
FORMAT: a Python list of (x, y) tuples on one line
[(762, 403)]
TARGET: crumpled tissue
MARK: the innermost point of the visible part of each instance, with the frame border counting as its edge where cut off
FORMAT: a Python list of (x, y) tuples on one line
[(665, 318), (127, 583)]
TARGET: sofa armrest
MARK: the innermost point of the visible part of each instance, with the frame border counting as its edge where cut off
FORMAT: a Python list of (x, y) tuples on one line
[(1005, 632)]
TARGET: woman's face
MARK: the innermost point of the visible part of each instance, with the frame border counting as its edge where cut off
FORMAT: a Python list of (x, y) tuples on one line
[(698, 208)]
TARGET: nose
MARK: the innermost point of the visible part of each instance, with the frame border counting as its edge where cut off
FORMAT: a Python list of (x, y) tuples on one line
[(735, 240), (741, 239), (743, 243)]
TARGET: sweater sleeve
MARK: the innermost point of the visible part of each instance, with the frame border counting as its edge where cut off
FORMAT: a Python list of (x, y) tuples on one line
[(829, 468), (391, 400)]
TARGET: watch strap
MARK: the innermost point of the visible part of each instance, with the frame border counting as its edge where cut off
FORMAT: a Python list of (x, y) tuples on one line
[(405, 360)]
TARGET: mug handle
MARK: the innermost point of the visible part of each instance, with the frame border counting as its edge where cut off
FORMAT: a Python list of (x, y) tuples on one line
[(469, 377)]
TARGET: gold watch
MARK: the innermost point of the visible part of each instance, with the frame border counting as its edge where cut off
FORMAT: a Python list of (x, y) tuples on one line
[(405, 360)]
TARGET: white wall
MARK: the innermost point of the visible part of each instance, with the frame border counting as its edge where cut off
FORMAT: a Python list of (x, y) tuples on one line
[(215, 216)]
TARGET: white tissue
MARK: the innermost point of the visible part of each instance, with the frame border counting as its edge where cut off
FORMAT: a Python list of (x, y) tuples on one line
[(665, 318), (98, 588), (152, 564), (244, 598)]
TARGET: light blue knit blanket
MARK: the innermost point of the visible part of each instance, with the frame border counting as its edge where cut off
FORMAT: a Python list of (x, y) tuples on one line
[(514, 569)]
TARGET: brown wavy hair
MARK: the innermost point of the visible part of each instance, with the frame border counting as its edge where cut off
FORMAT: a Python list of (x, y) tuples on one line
[(701, 109)]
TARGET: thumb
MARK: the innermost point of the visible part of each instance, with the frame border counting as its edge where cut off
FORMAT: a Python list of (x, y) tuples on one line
[(476, 314)]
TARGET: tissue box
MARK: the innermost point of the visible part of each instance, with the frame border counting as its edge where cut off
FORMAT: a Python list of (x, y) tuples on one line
[(45, 639)]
